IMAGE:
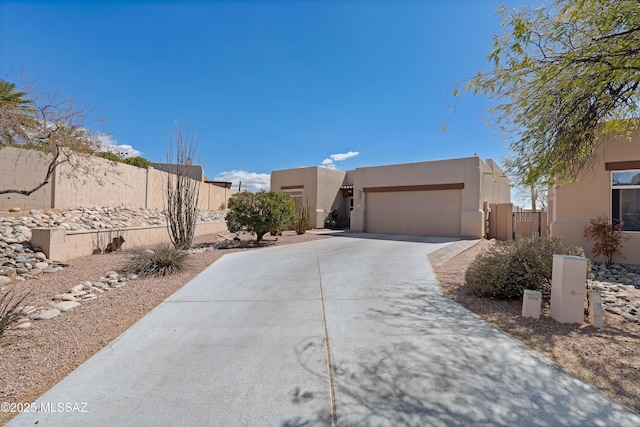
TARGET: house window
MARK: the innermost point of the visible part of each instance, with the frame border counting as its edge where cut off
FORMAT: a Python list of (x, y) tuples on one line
[(296, 194), (625, 198)]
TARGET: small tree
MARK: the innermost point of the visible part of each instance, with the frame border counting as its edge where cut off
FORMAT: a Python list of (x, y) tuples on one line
[(564, 74), (181, 191), (260, 212), (50, 123), (607, 236)]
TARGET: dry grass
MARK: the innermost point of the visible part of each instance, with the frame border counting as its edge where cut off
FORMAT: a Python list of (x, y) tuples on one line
[(609, 358)]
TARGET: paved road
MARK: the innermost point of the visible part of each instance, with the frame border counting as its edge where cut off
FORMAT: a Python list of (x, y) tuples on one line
[(245, 344)]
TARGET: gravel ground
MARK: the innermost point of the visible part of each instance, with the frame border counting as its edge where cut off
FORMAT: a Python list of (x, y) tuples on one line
[(608, 358), (35, 359)]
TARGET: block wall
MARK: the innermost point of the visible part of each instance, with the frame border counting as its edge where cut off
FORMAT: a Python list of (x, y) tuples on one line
[(22, 170), (108, 184)]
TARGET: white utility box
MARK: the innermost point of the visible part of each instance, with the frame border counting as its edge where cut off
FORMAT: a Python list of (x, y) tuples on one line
[(568, 288), (531, 302)]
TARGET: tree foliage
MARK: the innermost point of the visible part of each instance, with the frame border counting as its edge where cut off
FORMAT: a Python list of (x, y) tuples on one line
[(608, 238), (51, 123), (260, 212), (137, 161), (565, 74)]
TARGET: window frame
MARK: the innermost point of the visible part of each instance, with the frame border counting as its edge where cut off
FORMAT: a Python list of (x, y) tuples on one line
[(616, 189)]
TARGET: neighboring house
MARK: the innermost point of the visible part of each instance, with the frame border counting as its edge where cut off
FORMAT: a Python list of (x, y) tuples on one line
[(436, 198), (195, 172), (610, 187)]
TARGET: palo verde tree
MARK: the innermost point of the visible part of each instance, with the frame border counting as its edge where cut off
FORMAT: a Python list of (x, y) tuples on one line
[(260, 212), (565, 74), (181, 191), (51, 123)]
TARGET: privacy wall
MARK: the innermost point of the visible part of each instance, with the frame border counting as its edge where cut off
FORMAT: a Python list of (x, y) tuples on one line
[(107, 184)]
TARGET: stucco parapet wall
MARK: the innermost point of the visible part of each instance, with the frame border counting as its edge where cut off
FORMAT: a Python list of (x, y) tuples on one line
[(62, 245)]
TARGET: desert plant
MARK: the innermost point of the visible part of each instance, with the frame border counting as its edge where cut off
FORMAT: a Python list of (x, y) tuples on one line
[(260, 212), (180, 190), (222, 206), (332, 220), (162, 261), (10, 312), (303, 218), (607, 236), (138, 161), (508, 268)]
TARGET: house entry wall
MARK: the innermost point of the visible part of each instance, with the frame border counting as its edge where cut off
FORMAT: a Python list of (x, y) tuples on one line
[(433, 213)]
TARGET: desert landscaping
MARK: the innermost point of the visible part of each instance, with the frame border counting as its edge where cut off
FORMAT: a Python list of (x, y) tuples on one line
[(96, 304)]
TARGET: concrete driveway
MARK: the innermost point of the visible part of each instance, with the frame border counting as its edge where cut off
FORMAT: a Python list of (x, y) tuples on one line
[(247, 343)]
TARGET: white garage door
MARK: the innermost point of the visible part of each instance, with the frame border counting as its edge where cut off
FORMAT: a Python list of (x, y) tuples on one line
[(427, 213)]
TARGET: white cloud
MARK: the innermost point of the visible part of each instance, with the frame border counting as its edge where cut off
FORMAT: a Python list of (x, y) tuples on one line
[(108, 143), (344, 156), (328, 162), (251, 181)]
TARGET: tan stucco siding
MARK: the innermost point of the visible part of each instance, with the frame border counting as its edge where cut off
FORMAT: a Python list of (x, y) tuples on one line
[(576, 203), (453, 171), (456, 189), (320, 187)]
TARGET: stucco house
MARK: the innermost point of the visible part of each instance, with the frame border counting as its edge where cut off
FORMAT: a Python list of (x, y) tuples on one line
[(610, 187), (436, 198)]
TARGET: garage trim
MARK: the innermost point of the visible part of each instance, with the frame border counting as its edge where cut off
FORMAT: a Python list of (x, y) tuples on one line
[(428, 187)]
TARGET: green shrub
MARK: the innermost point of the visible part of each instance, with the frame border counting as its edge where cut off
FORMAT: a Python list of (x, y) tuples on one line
[(332, 220), (508, 268), (303, 218), (138, 161), (10, 312), (607, 236), (162, 261), (260, 212)]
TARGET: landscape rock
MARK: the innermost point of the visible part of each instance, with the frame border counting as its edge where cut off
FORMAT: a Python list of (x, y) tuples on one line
[(46, 314), (64, 306), (4, 280), (619, 286)]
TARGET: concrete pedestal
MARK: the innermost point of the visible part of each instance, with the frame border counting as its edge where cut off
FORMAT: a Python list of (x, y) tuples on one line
[(531, 302), (568, 288), (595, 308)]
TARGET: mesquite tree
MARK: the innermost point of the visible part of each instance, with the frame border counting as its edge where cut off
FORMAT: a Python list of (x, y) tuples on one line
[(565, 74), (181, 191)]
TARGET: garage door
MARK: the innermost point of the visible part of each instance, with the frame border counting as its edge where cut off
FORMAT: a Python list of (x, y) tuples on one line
[(427, 213)]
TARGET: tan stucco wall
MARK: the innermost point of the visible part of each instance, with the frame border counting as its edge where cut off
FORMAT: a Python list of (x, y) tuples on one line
[(482, 182), (320, 188), (23, 170), (109, 184), (575, 204), (61, 245)]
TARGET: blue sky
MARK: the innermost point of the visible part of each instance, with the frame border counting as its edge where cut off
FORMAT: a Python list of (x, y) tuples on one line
[(271, 84)]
